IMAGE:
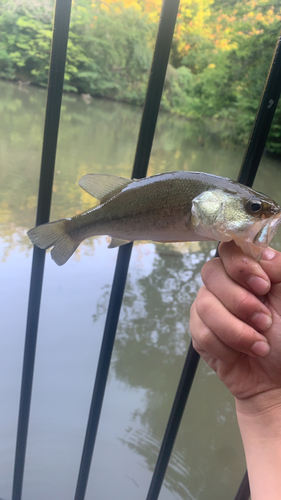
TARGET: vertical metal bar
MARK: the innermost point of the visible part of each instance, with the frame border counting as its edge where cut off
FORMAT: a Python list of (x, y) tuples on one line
[(243, 492), (155, 86), (252, 157), (143, 149), (263, 120), (113, 311), (246, 176), (174, 421), (55, 85)]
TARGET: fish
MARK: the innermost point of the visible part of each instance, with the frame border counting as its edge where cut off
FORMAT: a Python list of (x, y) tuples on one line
[(173, 206)]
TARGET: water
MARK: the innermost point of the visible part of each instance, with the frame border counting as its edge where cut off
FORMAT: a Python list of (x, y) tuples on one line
[(152, 338)]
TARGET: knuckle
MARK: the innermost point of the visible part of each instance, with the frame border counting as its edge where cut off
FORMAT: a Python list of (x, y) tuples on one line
[(241, 267), (243, 338), (241, 304), (198, 347), (203, 306), (206, 339), (210, 269), (193, 310), (238, 267), (195, 345)]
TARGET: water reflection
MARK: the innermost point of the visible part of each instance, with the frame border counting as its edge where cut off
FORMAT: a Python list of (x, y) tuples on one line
[(152, 337), (149, 352), (157, 302)]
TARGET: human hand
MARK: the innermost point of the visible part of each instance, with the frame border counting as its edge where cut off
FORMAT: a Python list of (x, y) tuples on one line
[(235, 323)]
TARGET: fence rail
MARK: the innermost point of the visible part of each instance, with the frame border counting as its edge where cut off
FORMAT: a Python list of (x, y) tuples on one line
[(247, 174)]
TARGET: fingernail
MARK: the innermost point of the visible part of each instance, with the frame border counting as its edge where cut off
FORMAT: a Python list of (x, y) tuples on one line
[(261, 321), (268, 254), (260, 348), (258, 285)]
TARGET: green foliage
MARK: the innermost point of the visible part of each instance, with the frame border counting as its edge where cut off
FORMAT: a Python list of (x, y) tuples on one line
[(108, 53), (179, 91), (113, 55), (219, 61), (229, 59), (25, 44)]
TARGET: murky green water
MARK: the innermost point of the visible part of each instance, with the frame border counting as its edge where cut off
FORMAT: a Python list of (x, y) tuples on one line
[(152, 337)]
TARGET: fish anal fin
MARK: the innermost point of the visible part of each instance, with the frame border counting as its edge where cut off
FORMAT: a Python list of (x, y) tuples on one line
[(103, 186), (117, 242)]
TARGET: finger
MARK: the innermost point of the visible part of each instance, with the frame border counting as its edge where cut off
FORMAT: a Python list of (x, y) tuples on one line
[(271, 264), (243, 269), (207, 344), (239, 301), (233, 332)]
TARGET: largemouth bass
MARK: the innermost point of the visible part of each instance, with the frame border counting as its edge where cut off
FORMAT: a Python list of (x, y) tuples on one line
[(168, 207)]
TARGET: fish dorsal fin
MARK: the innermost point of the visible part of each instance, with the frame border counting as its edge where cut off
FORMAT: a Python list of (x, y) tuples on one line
[(103, 186)]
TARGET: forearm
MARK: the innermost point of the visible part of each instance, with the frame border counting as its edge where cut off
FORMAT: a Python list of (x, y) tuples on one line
[(260, 427)]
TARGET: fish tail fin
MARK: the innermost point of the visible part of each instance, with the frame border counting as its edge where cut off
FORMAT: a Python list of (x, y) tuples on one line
[(54, 234)]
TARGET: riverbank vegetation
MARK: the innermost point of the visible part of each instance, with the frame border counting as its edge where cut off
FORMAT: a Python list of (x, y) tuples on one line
[(220, 55)]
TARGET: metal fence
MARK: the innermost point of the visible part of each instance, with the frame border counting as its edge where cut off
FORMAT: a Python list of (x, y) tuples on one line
[(150, 112)]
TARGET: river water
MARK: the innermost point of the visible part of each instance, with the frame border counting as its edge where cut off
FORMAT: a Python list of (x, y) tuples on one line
[(152, 338)]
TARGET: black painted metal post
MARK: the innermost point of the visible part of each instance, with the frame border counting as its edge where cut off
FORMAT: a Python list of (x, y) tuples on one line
[(263, 120), (186, 380), (246, 176), (146, 134), (57, 65), (252, 157), (243, 492)]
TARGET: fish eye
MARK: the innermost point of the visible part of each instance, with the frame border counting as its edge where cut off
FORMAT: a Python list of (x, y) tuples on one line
[(253, 207)]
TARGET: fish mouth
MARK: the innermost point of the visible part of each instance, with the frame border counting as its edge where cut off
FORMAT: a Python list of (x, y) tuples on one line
[(264, 236), (259, 238)]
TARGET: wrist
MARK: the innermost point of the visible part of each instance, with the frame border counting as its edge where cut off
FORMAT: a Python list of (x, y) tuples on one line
[(259, 419), (261, 412)]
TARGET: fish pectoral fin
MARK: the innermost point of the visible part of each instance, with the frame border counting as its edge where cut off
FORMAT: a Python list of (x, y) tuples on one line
[(116, 242), (103, 186)]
